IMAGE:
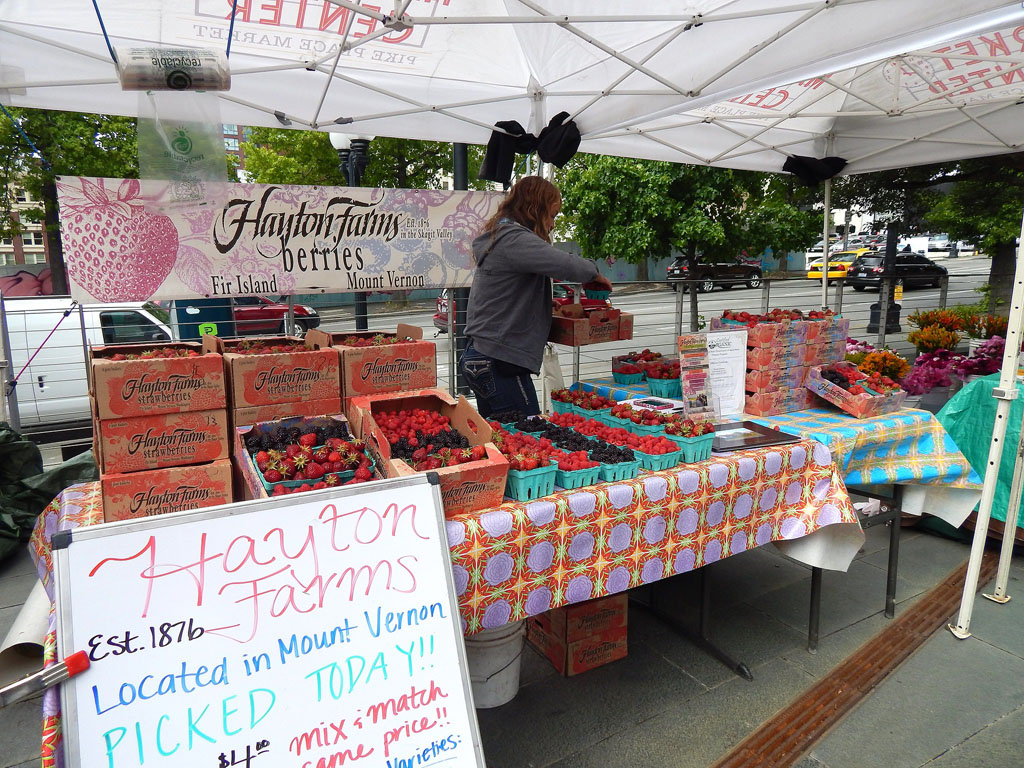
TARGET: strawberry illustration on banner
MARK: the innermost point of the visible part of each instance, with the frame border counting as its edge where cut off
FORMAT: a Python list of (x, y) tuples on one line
[(115, 248)]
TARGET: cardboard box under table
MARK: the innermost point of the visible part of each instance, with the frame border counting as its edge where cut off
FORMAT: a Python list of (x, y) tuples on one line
[(576, 638), (380, 368), (465, 487)]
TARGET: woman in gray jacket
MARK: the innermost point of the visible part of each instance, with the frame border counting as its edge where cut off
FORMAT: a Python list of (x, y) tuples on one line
[(509, 314)]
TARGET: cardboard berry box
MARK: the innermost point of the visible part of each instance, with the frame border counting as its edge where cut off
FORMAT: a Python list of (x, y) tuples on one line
[(768, 358), (249, 484), (859, 405), (135, 495), (139, 443), (788, 377), (143, 387), (765, 334), (473, 486), (574, 326), (775, 401), (278, 377), (242, 417), (381, 367), (580, 637)]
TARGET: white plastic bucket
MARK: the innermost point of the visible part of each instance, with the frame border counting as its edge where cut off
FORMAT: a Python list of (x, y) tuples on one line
[(494, 656)]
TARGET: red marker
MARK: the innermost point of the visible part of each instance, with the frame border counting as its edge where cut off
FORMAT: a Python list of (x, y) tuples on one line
[(43, 679)]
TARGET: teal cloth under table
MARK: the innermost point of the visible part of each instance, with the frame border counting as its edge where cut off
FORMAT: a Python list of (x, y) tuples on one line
[(909, 448), (969, 417)]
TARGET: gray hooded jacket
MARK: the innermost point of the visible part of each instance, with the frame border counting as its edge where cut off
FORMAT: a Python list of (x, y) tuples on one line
[(509, 314)]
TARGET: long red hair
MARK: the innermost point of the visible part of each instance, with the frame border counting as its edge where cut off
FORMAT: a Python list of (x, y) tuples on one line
[(530, 202)]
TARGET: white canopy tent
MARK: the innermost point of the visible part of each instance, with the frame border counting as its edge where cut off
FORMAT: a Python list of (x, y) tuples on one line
[(449, 69), (733, 83)]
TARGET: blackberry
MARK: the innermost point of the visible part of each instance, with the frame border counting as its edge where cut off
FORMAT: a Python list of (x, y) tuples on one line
[(610, 454), (532, 424), (506, 417)]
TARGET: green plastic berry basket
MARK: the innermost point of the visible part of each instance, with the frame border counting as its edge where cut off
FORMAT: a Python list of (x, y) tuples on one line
[(591, 293), (624, 470), (665, 387), (577, 478), (694, 448), (658, 461), (646, 429), (559, 407), (598, 415), (627, 378), (530, 484)]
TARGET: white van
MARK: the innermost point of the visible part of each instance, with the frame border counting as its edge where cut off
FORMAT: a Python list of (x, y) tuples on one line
[(53, 391)]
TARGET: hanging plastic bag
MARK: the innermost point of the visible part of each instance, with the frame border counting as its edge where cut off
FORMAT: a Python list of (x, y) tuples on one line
[(551, 375)]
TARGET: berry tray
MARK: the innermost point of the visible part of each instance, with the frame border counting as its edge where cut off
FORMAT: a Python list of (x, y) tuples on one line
[(627, 378), (624, 470), (559, 407), (577, 478), (665, 387), (530, 484), (587, 413), (694, 448), (658, 461), (636, 429)]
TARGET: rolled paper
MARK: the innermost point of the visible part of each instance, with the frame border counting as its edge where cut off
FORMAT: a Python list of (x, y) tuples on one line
[(173, 69)]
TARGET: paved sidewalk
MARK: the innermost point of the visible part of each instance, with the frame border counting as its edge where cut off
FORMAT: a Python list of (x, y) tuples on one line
[(953, 704)]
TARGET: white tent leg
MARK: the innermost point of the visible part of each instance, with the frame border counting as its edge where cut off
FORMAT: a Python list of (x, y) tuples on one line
[(1006, 392), (824, 243), (1006, 551)]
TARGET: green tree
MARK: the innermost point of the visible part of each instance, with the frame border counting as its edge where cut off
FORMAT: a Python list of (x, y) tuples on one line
[(984, 206), (640, 209), (70, 144), (284, 156)]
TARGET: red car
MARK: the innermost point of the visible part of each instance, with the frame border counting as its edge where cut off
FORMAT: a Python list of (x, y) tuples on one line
[(562, 294), (258, 315)]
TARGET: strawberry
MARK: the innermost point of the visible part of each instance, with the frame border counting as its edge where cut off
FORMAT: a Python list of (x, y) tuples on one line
[(318, 486), (272, 476), (331, 479), (363, 474), (300, 475), (262, 457), (280, 491), (309, 439), (314, 470), (333, 456)]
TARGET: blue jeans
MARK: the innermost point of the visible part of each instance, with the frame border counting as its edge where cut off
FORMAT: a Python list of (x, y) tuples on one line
[(495, 392)]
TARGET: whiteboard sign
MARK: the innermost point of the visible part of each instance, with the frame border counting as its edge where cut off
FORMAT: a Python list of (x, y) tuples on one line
[(316, 631)]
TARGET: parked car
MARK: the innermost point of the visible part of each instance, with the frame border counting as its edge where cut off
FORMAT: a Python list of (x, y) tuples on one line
[(911, 269), (53, 391), (724, 272), (562, 293), (259, 315), (838, 264)]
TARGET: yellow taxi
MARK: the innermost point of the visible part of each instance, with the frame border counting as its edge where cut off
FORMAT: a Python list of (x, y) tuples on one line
[(838, 263)]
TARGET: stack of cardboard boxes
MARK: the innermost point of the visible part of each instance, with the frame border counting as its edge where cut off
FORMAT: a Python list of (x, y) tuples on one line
[(580, 637), (779, 356), (160, 429)]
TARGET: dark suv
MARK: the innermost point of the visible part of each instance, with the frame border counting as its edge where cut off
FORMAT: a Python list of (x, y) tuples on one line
[(911, 269), (723, 272)]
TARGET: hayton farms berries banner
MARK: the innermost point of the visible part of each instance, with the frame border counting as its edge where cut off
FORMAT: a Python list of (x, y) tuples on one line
[(132, 240)]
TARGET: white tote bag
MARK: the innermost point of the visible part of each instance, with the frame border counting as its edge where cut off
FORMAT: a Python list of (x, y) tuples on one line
[(551, 374)]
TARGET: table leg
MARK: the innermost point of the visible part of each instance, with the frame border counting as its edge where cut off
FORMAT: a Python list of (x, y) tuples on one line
[(700, 637), (894, 554), (814, 621)]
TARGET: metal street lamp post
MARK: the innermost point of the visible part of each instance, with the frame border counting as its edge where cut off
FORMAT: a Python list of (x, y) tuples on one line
[(352, 162)]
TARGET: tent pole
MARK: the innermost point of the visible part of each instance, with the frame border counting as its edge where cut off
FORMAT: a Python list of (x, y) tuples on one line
[(824, 243), (999, 595), (1006, 393)]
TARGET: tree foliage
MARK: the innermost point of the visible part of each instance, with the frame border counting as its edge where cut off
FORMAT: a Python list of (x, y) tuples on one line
[(284, 156), (638, 209)]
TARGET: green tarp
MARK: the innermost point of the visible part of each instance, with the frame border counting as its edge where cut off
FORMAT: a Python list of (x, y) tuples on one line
[(969, 417), (25, 489)]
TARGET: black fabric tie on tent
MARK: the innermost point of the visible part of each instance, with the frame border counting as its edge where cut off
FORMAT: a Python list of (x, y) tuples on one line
[(556, 144), (811, 170)]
